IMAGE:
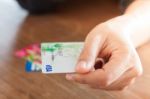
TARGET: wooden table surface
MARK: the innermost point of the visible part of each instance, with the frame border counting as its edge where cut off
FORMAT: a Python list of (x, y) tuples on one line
[(71, 22)]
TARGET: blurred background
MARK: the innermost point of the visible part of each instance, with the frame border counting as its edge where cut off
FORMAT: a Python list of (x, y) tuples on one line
[(27, 22)]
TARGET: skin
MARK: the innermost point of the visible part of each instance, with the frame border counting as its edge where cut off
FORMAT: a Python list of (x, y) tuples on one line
[(112, 41)]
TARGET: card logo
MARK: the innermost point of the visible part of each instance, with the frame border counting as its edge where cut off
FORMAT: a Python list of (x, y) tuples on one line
[(49, 68)]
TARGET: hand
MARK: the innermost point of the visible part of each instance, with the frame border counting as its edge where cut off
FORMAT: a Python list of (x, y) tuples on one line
[(111, 42)]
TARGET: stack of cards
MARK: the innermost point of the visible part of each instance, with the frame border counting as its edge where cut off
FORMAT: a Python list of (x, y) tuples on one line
[(56, 57), (32, 55)]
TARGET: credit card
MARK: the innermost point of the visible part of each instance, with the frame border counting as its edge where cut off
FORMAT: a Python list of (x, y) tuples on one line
[(60, 57)]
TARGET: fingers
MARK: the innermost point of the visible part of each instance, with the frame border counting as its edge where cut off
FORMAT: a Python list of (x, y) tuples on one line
[(120, 62), (97, 81), (109, 73), (117, 65), (124, 81), (99, 63), (121, 86), (98, 78), (92, 46)]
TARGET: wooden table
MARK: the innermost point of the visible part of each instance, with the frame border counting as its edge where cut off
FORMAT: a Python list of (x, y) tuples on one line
[(71, 22)]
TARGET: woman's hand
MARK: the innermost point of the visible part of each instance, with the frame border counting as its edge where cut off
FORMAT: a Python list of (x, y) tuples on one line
[(111, 42)]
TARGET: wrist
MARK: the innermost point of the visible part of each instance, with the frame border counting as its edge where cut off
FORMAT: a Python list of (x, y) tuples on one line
[(122, 25)]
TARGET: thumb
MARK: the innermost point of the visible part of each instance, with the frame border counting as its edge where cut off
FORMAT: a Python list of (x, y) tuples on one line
[(92, 47)]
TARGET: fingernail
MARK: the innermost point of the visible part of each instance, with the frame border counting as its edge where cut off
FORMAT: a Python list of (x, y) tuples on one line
[(99, 63), (69, 76), (81, 65)]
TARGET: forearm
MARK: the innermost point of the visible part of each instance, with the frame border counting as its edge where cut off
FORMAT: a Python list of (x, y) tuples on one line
[(139, 10)]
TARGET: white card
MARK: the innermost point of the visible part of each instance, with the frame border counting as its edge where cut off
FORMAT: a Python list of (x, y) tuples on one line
[(60, 57)]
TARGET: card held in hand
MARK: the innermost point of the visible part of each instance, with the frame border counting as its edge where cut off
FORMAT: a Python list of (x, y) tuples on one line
[(60, 57)]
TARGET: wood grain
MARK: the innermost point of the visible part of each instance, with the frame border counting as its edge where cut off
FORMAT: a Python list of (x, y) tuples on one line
[(71, 22)]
